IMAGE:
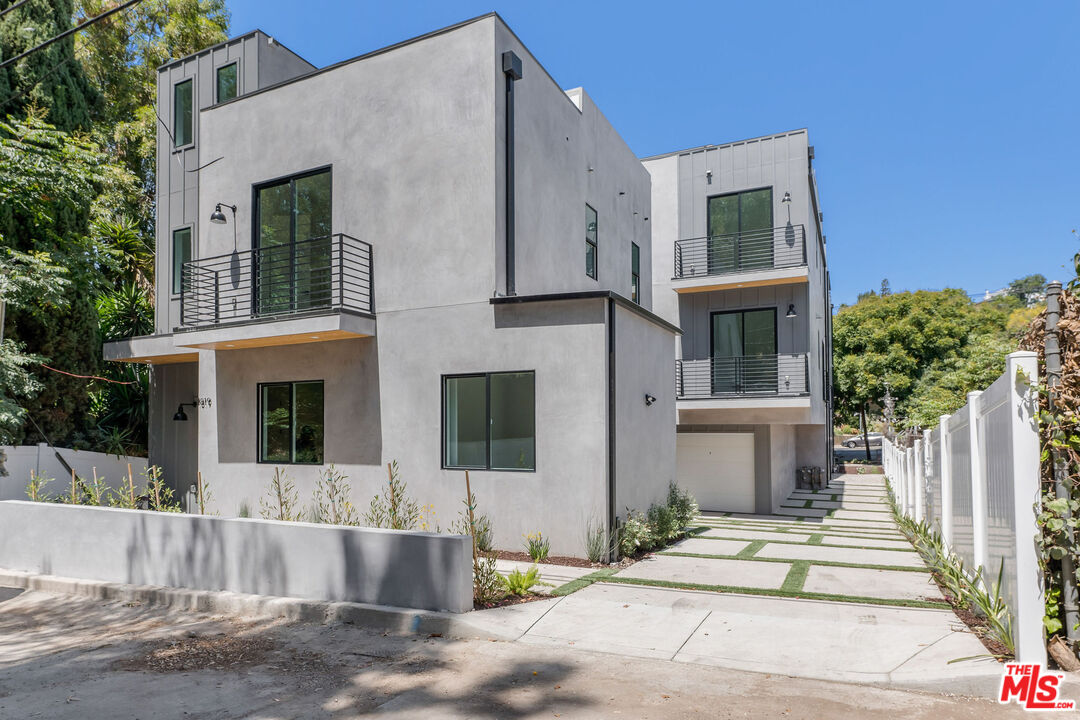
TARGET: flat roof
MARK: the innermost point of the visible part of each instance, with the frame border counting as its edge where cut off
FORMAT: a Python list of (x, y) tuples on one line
[(727, 144)]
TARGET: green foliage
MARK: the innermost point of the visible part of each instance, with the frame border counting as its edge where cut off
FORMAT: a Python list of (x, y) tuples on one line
[(159, 494), (663, 525), (282, 501), (598, 544), (481, 529), (488, 585), (635, 535), (682, 504), (519, 583), (331, 504), (537, 546), (35, 489), (1027, 289), (394, 509)]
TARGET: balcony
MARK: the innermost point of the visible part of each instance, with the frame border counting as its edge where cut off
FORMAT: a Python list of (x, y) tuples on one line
[(744, 390), (307, 291), (754, 258)]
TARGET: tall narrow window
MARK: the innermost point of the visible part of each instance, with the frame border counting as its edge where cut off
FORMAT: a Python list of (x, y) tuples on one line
[(635, 273), (226, 82), (590, 242), (740, 231), (489, 421), (183, 114), (181, 253), (291, 425), (744, 351)]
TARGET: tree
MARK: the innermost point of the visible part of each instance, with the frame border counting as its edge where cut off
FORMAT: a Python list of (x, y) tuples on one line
[(49, 78), (1027, 289), (885, 289)]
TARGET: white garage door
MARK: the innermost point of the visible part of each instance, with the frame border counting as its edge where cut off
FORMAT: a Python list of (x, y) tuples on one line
[(718, 468)]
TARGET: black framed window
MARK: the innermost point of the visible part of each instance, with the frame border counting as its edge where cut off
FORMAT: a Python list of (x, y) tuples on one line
[(590, 242), (181, 253), (291, 425), (635, 273), (740, 231), (226, 82), (743, 352), (183, 114), (489, 421)]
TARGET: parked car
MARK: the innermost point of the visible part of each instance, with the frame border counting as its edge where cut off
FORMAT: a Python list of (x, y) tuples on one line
[(873, 438)]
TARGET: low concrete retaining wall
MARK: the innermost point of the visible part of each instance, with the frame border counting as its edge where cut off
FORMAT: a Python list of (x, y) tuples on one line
[(259, 557)]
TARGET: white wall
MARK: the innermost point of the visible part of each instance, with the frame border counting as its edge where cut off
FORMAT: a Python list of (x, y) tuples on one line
[(41, 459)]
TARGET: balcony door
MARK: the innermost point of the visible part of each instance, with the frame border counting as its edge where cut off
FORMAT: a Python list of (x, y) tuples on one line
[(740, 231), (744, 352), (293, 249)]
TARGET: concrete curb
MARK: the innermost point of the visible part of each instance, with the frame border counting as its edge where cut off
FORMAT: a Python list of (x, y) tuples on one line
[(380, 617)]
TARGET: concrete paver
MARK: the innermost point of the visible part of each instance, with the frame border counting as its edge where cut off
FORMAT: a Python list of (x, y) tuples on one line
[(735, 531), (866, 582), (897, 558), (705, 546), (708, 571)]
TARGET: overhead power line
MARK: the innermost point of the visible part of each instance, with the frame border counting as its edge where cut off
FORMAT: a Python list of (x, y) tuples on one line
[(5, 11), (66, 33)]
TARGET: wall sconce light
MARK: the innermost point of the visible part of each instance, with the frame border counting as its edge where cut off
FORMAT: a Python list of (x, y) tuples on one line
[(787, 197), (791, 311), (180, 415), (649, 399), (218, 218)]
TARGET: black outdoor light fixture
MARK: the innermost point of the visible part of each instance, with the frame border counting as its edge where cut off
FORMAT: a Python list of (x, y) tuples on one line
[(787, 197), (180, 415), (649, 399), (791, 310), (218, 218)]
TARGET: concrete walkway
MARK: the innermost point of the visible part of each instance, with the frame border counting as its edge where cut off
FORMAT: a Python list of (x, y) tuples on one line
[(826, 589)]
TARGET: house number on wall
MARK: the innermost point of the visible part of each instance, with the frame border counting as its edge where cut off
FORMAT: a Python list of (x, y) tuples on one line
[(204, 402)]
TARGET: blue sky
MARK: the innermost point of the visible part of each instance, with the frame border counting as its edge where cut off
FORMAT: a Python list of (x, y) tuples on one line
[(945, 132)]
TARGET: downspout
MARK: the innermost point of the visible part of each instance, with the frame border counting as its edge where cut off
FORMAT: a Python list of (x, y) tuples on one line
[(1052, 353), (613, 550), (511, 65)]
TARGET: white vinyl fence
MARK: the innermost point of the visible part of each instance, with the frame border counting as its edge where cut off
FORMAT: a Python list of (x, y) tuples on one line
[(974, 479), (42, 460)]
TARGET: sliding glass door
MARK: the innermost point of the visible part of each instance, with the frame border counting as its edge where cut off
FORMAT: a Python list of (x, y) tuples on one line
[(293, 246), (740, 231), (744, 352)]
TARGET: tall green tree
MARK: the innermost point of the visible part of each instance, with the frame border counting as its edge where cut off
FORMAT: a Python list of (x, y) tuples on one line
[(1026, 288), (51, 78)]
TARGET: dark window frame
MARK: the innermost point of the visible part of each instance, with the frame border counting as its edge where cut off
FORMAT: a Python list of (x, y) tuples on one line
[(217, 83), (635, 272), (772, 206), (594, 244), (776, 331), (173, 290), (292, 422), (487, 411), (191, 142)]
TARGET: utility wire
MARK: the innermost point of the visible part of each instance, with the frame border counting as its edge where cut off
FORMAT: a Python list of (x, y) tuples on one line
[(66, 33), (5, 11)]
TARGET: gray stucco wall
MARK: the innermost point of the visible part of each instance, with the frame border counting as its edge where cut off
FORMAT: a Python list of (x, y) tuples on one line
[(782, 450), (383, 402), (173, 445), (695, 312), (262, 557), (645, 434)]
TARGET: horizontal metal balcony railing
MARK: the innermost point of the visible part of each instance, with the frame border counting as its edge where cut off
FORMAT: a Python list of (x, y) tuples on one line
[(750, 376), (767, 249), (327, 273)]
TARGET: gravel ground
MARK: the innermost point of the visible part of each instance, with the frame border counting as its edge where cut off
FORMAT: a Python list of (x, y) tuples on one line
[(70, 657)]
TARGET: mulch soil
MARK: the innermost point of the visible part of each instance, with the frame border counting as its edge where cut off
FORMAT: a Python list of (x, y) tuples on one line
[(510, 600), (976, 624), (549, 560)]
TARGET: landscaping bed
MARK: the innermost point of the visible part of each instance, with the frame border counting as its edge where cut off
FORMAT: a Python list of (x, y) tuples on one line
[(549, 560)]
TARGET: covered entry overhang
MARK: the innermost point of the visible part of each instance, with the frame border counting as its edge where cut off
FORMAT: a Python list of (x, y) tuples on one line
[(149, 349), (272, 332)]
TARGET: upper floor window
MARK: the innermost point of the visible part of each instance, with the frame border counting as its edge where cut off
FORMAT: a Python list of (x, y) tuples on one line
[(181, 253), (590, 242), (635, 273), (489, 421), (183, 113), (226, 82), (740, 231), (291, 425)]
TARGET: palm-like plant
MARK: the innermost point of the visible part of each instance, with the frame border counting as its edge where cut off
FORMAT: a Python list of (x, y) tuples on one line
[(132, 252)]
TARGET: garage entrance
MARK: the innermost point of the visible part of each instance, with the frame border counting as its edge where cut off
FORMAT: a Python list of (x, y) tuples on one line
[(718, 469)]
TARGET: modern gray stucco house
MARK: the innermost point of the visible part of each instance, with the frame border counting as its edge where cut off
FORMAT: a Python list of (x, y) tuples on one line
[(430, 253), (737, 236)]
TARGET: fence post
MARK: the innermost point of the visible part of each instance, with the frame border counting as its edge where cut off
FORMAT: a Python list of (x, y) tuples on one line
[(946, 481), (909, 476), (1021, 368), (978, 486), (918, 497)]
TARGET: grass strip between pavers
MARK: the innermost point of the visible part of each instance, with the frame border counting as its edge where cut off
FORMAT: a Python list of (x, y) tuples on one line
[(811, 542), (770, 592), (748, 552), (796, 576), (814, 539), (583, 582), (826, 530), (824, 563)]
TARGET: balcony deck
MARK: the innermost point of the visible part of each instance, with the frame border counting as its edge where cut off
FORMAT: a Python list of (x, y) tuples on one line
[(772, 256), (743, 390)]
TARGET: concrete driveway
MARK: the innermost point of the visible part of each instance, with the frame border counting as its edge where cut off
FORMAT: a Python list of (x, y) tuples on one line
[(828, 588)]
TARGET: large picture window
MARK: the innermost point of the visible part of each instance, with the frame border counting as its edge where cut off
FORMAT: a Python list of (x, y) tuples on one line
[(740, 231), (489, 421), (291, 422), (183, 114)]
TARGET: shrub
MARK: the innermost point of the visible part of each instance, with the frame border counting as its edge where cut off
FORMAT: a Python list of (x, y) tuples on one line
[(682, 504), (283, 503), (597, 541), (520, 583), (35, 489), (488, 585), (663, 524), (159, 495), (481, 525), (394, 509), (537, 546), (331, 502), (635, 535)]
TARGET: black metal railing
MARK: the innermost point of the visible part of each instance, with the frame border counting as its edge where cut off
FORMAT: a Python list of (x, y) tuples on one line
[(327, 273), (753, 375), (779, 247)]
